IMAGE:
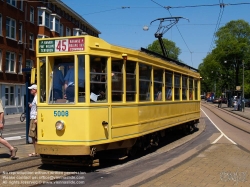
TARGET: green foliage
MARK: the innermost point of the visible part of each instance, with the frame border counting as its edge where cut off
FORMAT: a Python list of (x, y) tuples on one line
[(172, 50), (222, 68)]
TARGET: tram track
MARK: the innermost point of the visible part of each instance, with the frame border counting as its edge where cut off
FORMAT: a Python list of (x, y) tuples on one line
[(242, 123)]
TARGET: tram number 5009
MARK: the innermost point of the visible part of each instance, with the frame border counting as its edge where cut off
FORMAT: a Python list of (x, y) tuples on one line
[(61, 113)]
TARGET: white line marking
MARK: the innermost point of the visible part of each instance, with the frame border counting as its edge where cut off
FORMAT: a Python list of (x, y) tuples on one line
[(222, 134), (14, 138), (12, 133)]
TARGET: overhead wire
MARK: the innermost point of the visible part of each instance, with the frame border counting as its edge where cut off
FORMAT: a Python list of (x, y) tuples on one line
[(222, 5)]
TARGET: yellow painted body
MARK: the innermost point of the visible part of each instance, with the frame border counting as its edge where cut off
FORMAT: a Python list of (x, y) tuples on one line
[(84, 123)]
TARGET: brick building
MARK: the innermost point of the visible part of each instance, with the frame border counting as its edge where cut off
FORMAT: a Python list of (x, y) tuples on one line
[(21, 22)]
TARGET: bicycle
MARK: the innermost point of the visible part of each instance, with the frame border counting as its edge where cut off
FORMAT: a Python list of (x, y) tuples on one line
[(23, 116)]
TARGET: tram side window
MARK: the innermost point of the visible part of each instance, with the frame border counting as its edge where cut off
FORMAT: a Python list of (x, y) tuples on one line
[(196, 89), (168, 85), (117, 80), (177, 87), (144, 82), (98, 79), (130, 80), (191, 88), (158, 74), (184, 88), (81, 78), (42, 80)]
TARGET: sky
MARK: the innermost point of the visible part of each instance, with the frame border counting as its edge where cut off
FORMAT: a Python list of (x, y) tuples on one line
[(121, 22)]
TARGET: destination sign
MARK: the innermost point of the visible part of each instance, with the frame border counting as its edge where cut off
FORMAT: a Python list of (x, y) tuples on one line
[(63, 45)]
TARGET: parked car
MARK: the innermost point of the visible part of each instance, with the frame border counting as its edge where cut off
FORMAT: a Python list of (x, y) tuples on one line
[(247, 102), (216, 100), (224, 100)]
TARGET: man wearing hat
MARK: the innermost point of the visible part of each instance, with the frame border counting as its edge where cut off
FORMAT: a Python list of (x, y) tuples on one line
[(33, 117)]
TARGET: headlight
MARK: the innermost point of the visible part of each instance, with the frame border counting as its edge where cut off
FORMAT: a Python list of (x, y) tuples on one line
[(60, 125)]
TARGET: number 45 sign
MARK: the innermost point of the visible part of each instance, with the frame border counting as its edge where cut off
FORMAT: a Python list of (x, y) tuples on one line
[(64, 45), (74, 44)]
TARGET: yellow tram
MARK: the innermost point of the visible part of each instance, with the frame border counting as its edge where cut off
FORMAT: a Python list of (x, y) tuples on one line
[(119, 99)]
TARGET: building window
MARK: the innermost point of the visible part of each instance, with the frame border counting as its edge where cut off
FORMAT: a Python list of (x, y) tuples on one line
[(29, 63), (20, 63), (61, 30), (1, 60), (77, 31), (1, 20), (54, 22), (11, 28), (40, 17), (57, 25), (21, 4), (31, 41), (18, 96), (20, 31), (12, 2), (47, 17), (9, 96), (68, 31), (31, 14), (10, 62)]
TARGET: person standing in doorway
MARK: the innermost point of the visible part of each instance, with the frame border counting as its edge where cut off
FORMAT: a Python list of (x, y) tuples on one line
[(12, 149), (33, 118)]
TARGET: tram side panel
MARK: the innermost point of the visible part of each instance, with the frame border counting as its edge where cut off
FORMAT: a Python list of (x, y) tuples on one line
[(136, 121)]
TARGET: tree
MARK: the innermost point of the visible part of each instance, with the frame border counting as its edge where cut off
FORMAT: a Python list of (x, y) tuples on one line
[(233, 46), (172, 50)]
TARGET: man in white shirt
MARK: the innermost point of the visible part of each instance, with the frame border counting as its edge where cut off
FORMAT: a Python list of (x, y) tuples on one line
[(33, 117)]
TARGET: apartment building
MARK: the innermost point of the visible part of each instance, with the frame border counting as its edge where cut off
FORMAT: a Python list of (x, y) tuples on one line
[(21, 23)]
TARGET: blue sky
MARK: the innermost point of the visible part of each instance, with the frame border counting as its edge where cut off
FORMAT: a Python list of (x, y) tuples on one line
[(121, 22)]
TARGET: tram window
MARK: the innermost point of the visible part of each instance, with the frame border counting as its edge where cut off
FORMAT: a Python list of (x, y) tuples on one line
[(191, 88), (62, 80), (130, 80), (184, 88), (81, 78), (158, 74), (144, 82), (177, 87), (196, 89), (117, 80), (168, 85), (98, 79), (42, 80)]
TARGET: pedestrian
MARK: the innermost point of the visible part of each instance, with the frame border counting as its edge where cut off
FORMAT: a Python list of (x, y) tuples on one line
[(219, 102), (235, 103), (33, 118), (12, 149)]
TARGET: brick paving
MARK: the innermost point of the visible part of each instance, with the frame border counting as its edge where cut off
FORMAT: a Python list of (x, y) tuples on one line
[(221, 165)]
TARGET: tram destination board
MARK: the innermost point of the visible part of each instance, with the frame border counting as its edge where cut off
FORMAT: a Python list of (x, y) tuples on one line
[(63, 45)]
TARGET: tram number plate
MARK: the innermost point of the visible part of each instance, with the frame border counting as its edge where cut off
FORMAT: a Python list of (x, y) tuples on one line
[(62, 113)]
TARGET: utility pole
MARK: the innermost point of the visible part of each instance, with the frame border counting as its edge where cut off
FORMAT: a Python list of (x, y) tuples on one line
[(243, 79)]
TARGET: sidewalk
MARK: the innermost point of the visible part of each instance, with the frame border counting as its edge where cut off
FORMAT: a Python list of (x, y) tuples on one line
[(23, 149)]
